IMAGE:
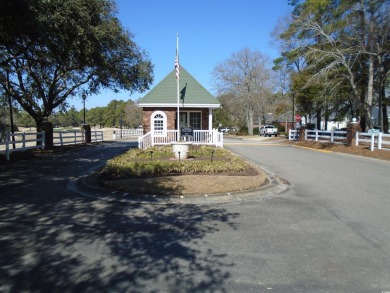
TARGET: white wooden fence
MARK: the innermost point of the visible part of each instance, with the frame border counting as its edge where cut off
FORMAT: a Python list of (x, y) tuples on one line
[(66, 137), (21, 141), (377, 140), (125, 133), (333, 136), (200, 137), (293, 134), (75, 136), (97, 135)]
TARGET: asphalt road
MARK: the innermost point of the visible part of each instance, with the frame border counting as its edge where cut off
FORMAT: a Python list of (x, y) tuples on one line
[(328, 232)]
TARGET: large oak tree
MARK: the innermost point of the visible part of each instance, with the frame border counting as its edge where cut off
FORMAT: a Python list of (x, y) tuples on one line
[(51, 50), (343, 44)]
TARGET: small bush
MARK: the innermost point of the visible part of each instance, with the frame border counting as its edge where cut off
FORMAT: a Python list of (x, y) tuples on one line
[(281, 128), (243, 130)]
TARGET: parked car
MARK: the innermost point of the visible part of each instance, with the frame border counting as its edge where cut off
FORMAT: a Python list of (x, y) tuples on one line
[(224, 129), (227, 129), (268, 130)]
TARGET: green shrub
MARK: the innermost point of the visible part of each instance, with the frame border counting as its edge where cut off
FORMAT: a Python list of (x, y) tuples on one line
[(159, 161), (243, 130)]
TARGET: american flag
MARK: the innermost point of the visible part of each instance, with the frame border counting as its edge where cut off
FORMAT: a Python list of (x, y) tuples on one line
[(177, 67)]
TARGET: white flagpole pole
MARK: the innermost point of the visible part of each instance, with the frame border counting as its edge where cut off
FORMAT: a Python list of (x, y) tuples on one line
[(177, 84)]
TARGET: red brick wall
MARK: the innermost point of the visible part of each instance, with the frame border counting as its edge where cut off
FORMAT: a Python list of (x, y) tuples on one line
[(205, 119), (171, 117)]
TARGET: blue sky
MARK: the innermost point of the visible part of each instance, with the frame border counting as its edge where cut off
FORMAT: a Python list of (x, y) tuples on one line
[(210, 31)]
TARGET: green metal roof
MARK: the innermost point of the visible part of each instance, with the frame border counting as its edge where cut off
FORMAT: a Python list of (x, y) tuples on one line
[(192, 93)]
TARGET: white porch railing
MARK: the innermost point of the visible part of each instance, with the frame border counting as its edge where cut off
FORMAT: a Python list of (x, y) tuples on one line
[(200, 137), (21, 141)]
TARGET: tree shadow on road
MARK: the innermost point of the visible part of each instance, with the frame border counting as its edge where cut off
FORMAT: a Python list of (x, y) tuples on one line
[(91, 246)]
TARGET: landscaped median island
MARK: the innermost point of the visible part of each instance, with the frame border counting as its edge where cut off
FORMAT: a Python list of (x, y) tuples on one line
[(206, 171)]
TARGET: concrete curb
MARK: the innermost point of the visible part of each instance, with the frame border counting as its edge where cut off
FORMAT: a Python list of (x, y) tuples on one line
[(80, 186)]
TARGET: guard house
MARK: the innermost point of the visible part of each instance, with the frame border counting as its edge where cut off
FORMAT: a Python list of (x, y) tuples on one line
[(196, 106)]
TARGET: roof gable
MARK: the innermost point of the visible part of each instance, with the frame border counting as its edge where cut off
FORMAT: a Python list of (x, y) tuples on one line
[(192, 93)]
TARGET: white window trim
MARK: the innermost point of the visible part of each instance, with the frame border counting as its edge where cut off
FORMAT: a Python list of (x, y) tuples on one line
[(164, 123), (193, 111)]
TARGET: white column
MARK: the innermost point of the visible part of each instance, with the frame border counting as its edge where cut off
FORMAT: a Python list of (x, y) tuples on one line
[(210, 119)]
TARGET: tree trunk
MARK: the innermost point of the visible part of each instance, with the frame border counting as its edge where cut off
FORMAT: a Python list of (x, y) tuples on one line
[(385, 119), (249, 121), (318, 114), (47, 127), (370, 88), (363, 123), (370, 92), (326, 116), (39, 126), (363, 111)]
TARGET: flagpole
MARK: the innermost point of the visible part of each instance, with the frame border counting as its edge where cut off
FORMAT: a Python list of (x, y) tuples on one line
[(177, 85)]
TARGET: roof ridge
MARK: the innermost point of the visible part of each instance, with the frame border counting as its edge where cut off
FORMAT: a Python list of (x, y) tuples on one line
[(196, 80), (165, 92)]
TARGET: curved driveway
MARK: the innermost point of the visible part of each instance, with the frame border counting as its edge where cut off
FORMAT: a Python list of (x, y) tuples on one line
[(331, 230), (328, 232)]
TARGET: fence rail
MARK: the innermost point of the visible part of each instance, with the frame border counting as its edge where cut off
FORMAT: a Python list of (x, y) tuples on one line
[(97, 135), (377, 140), (293, 134), (66, 137), (21, 141), (333, 136), (124, 133)]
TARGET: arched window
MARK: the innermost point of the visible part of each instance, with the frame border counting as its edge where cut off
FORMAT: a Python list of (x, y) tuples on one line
[(159, 123)]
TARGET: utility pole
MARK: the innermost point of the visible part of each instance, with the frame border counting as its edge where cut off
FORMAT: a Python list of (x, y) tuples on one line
[(11, 117)]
